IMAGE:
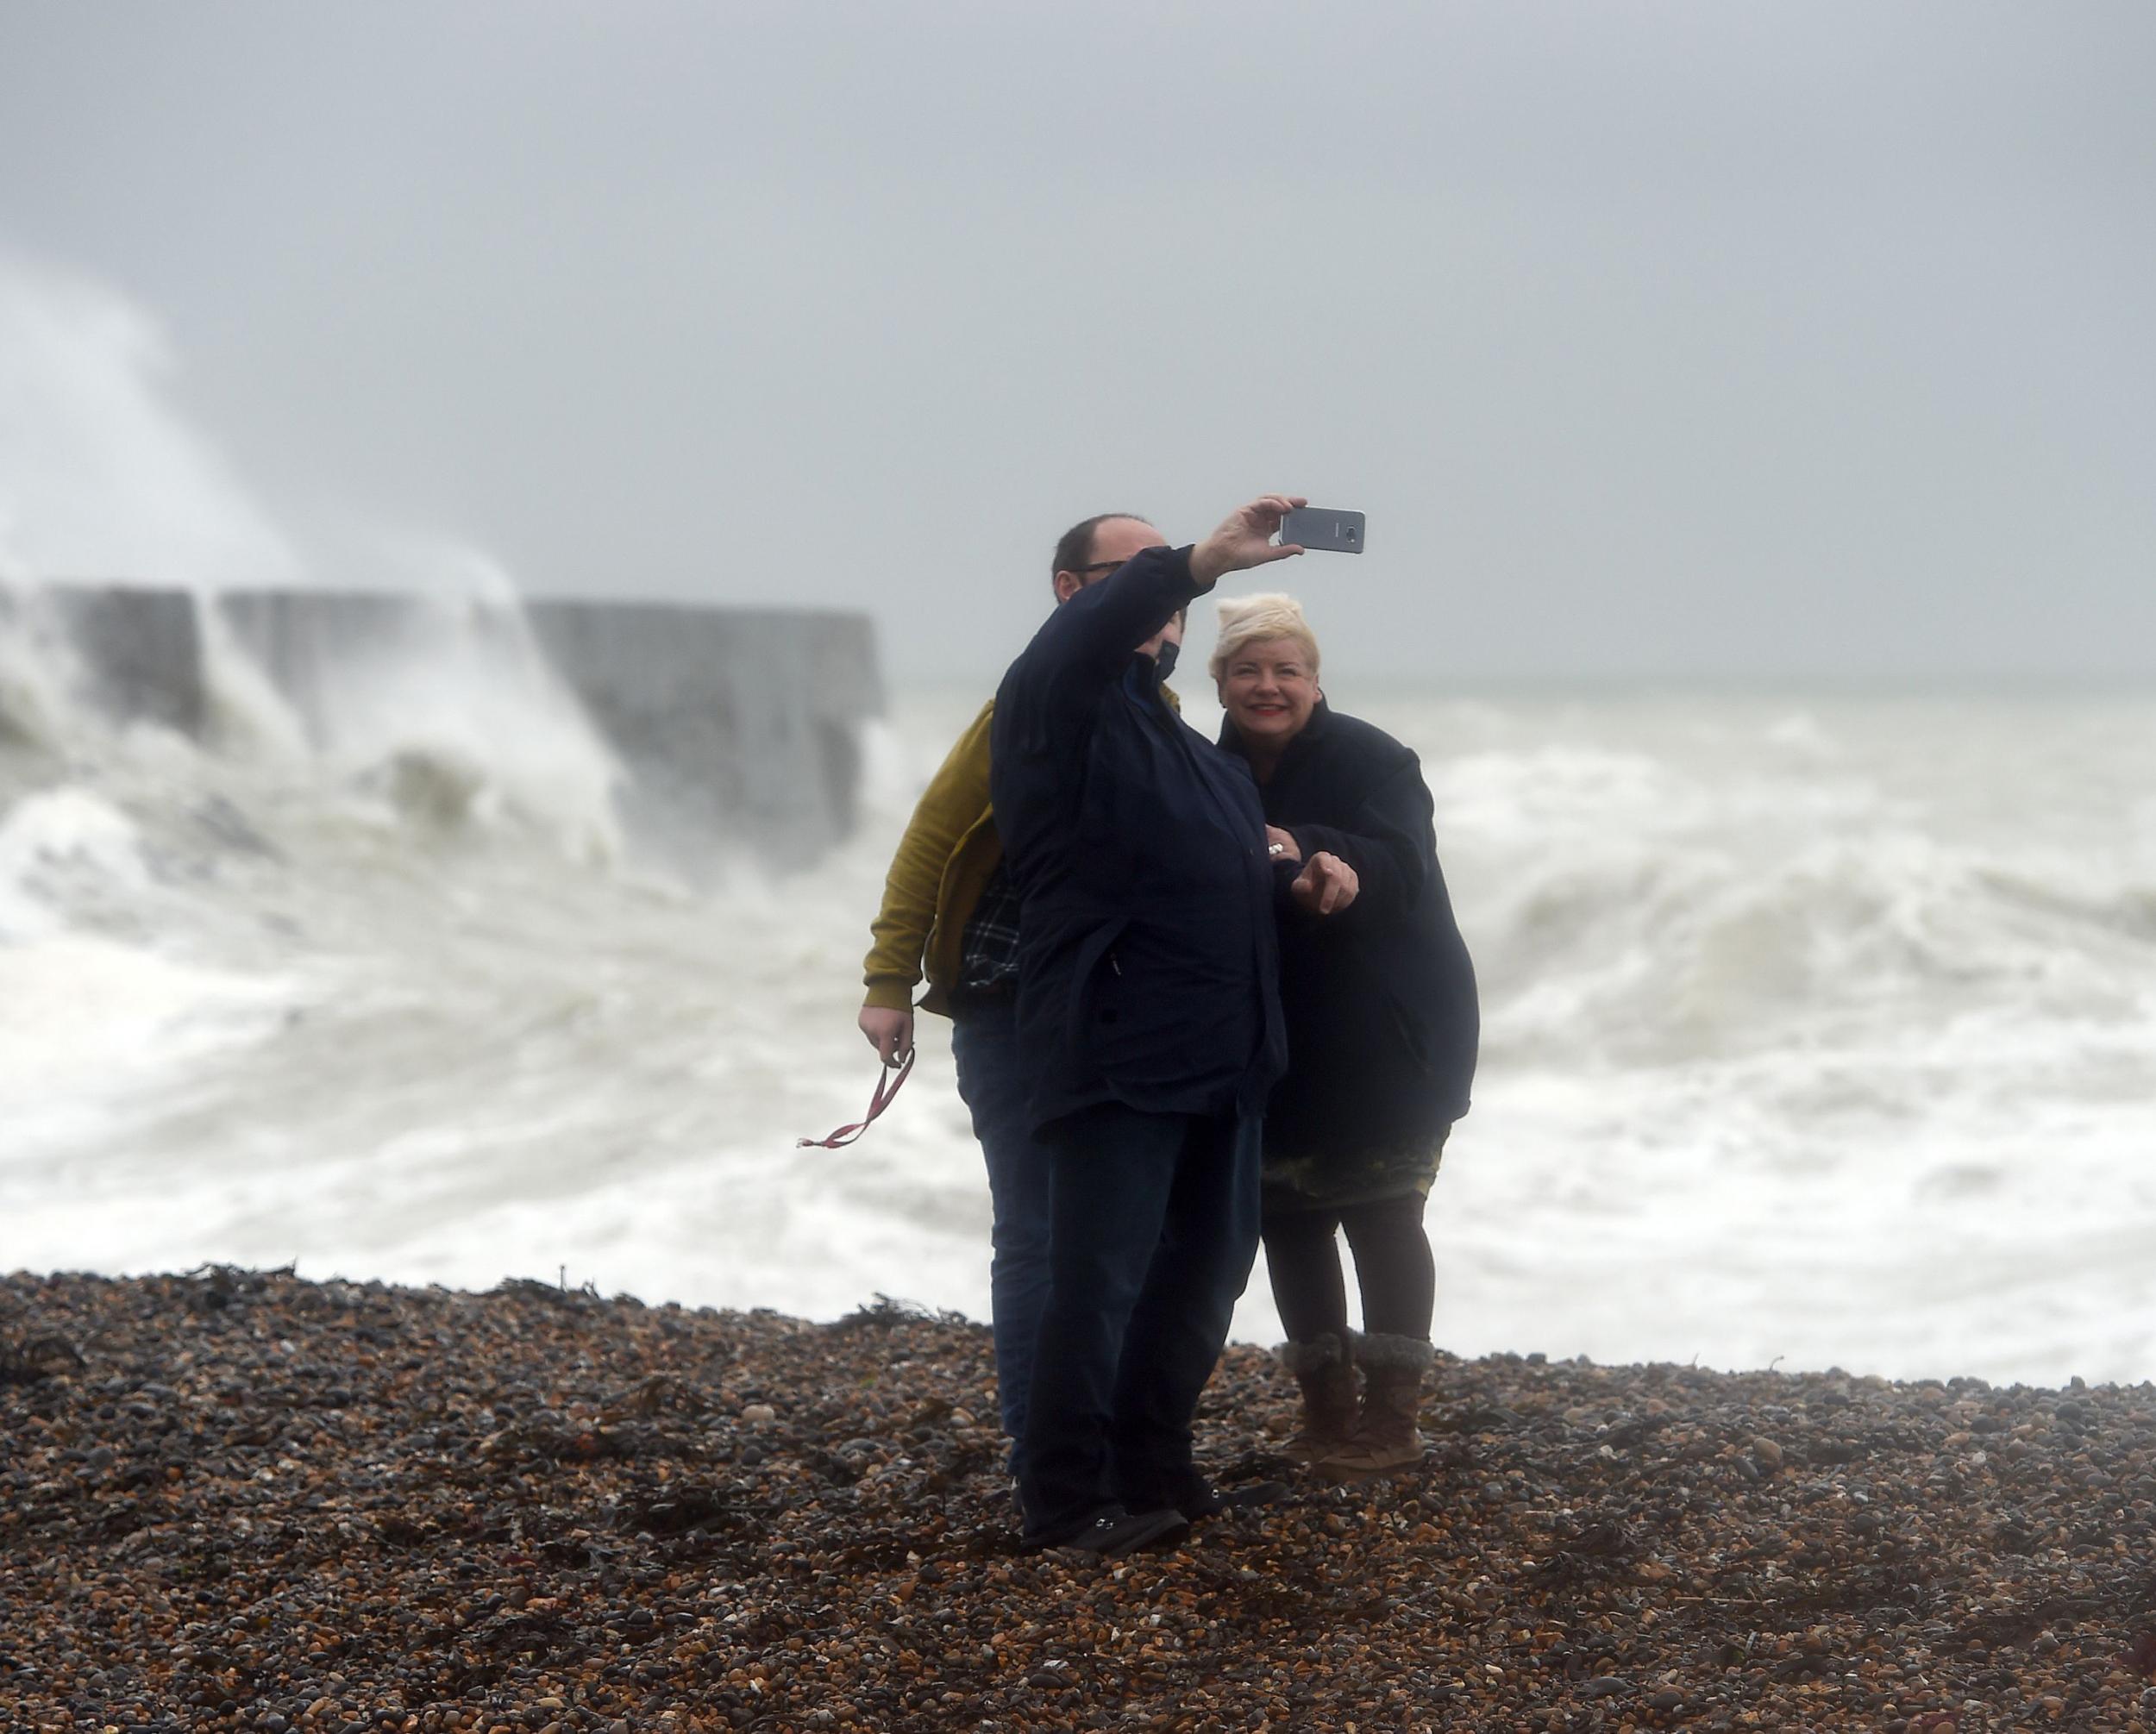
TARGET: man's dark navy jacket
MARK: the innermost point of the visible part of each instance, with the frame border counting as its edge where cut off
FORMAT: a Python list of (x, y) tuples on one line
[(1148, 962)]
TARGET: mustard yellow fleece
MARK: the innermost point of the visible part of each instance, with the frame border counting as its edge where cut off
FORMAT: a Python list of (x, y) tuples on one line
[(942, 865), (944, 862)]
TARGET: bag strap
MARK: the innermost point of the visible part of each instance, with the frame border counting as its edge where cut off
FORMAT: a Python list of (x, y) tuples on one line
[(886, 1092)]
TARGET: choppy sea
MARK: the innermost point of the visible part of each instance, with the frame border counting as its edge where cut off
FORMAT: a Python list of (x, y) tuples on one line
[(1820, 1029)]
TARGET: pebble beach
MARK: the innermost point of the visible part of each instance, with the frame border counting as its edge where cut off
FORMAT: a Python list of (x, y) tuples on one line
[(240, 1499)]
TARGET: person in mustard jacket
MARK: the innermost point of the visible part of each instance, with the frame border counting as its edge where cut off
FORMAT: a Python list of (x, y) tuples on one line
[(951, 915)]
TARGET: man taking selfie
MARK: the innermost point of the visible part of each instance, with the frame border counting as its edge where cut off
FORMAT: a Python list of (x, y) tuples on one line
[(950, 913), (1148, 1032)]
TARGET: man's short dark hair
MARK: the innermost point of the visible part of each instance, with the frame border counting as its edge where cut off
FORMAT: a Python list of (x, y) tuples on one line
[(1074, 547)]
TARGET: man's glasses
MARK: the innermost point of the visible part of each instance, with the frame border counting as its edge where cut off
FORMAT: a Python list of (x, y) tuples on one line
[(1101, 565)]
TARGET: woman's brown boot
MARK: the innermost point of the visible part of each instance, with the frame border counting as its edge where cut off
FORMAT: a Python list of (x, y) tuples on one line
[(1386, 1437), (1322, 1367)]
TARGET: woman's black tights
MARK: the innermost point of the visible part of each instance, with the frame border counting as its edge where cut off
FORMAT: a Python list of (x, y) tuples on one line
[(1393, 1267)]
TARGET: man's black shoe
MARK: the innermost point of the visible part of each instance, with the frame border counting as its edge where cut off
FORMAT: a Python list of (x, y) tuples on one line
[(1111, 1532), (1210, 1501)]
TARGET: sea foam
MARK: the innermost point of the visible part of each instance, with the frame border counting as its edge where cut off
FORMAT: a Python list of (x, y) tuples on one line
[(1832, 1044)]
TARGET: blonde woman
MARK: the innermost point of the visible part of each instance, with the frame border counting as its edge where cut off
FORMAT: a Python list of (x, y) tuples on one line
[(1382, 1030)]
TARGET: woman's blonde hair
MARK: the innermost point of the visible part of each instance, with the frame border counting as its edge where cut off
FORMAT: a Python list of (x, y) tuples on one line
[(1253, 619)]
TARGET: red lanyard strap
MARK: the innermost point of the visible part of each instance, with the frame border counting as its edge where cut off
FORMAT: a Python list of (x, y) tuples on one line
[(886, 1093)]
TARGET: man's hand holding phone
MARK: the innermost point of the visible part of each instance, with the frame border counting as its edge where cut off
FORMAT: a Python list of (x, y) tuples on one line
[(1244, 539)]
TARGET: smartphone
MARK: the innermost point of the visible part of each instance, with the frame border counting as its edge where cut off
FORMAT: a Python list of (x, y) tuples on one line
[(1322, 531)]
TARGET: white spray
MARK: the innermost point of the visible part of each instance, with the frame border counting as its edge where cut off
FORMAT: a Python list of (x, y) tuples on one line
[(103, 479)]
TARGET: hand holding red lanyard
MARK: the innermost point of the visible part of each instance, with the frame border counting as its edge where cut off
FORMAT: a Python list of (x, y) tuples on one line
[(886, 1092)]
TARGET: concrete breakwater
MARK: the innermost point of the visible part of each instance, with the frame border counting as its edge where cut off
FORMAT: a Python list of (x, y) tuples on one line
[(723, 725)]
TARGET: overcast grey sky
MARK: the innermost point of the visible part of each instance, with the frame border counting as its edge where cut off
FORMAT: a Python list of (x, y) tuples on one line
[(1728, 339)]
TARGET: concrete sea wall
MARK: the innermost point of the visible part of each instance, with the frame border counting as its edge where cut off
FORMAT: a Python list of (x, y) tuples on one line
[(732, 727)]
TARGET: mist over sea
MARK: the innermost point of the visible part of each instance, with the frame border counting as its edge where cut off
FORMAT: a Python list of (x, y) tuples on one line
[(1819, 1028)]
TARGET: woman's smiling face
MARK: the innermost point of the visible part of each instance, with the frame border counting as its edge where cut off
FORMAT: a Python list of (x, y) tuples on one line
[(1268, 689)]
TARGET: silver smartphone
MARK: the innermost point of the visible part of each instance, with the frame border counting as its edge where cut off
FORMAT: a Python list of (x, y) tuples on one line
[(1323, 530)]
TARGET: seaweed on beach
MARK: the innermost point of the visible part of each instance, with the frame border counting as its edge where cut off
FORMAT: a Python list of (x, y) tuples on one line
[(32, 1357), (885, 1313)]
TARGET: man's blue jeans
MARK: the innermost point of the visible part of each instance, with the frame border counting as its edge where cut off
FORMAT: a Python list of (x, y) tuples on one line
[(984, 1044), (1155, 1227)]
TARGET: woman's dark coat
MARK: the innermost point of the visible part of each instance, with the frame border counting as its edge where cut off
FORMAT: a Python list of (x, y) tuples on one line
[(1380, 1000)]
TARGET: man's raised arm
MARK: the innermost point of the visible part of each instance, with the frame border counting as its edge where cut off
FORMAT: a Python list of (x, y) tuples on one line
[(1093, 635)]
